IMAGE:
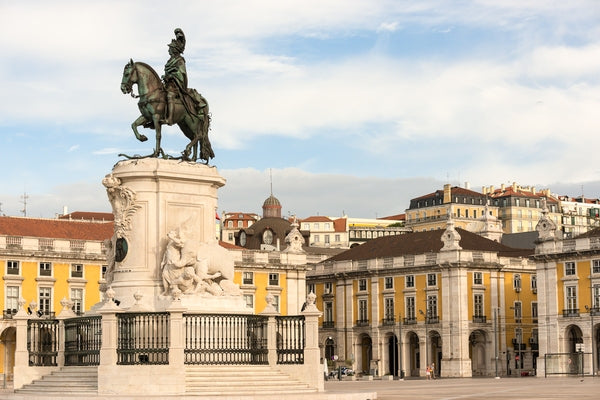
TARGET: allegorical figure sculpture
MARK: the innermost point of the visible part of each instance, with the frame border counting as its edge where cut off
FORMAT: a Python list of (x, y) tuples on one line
[(184, 271), (169, 101)]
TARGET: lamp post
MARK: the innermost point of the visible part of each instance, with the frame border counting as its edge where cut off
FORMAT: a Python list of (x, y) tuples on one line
[(401, 372), (496, 341), (426, 336)]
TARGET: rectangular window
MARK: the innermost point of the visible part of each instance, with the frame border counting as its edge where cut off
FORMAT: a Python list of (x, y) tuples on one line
[(76, 270), (570, 268), (249, 300), (410, 281), (317, 239), (534, 282), (596, 297), (389, 309), (12, 267), (596, 267), (248, 278), (337, 238), (240, 224), (103, 272), (273, 279), (410, 307), (389, 282), (328, 312), (77, 299), (517, 282), (45, 303), (432, 311), (327, 225), (478, 305), (518, 312), (45, 269), (12, 299), (362, 310), (310, 288), (362, 285), (477, 278), (326, 239), (431, 280), (534, 310), (571, 297), (328, 288)]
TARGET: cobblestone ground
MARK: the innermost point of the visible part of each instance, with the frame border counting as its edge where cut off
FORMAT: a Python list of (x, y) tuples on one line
[(476, 388)]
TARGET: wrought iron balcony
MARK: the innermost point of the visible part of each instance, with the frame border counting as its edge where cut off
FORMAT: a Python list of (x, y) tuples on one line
[(328, 325), (362, 322), (571, 312), (432, 320), (479, 319), (389, 321), (595, 311), (8, 313), (410, 321)]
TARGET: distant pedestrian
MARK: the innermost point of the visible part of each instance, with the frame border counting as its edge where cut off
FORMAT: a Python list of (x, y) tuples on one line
[(432, 368), (428, 372)]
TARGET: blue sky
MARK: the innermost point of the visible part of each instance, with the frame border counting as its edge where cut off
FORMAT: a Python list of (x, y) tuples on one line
[(355, 106)]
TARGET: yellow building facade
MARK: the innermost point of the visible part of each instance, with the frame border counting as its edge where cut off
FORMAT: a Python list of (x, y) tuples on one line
[(445, 297), (44, 261)]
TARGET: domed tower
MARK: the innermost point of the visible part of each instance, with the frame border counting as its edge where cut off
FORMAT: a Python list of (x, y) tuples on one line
[(271, 207)]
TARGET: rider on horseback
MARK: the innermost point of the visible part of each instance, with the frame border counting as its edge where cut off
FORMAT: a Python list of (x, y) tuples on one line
[(175, 76)]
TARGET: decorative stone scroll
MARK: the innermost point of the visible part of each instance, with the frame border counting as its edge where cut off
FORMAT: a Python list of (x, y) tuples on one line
[(294, 239)]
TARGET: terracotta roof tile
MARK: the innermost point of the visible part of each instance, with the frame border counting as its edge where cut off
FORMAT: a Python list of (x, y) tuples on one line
[(56, 228), (316, 218), (339, 225)]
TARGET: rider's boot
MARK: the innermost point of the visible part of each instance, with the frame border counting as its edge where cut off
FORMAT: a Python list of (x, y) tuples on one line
[(170, 106)]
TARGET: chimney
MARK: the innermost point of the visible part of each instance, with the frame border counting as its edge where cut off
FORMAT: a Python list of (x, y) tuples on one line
[(65, 210), (447, 193), (514, 186), (467, 186)]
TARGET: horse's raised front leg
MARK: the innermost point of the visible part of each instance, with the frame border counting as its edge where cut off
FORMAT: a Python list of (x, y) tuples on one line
[(139, 122)]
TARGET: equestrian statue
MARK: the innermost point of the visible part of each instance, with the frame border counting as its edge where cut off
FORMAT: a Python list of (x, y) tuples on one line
[(168, 100)]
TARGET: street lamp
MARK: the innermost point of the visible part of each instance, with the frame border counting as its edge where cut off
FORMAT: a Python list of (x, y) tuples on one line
[(426, 336), (401, 371)]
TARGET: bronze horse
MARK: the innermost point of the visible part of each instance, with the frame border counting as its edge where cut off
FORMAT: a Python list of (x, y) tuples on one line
[(152, 105)]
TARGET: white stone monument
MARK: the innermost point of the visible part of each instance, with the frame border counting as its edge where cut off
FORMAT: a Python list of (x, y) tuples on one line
[(165, 245)]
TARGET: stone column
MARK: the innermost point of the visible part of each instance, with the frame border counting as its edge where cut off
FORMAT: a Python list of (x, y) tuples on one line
[(177, 335), (312, 354), (21, 354), (271, 312)]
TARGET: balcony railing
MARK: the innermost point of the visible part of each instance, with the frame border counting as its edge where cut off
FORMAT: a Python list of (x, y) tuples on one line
[(328, 324), (410, 321), (362, 322), (8, 313), (595, 311), (388, 321), (432, 320), (479, 319), (571, 312)]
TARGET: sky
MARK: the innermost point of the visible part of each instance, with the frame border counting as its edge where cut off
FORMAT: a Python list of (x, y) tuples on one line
[(340, 106)]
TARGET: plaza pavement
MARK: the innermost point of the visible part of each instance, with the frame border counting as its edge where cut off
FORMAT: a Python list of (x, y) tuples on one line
[(529, 388), (526, 388)]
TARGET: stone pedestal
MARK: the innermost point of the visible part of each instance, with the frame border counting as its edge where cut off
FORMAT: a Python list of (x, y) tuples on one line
[(151, 198)]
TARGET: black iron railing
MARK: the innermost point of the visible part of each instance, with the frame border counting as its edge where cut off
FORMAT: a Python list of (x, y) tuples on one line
[(8, 313), (362, 322), (328, 324), (291, 339), (479, 319), (42, 343), (225, 339), (432, 319), (83, 339), (571, 312), (410, 321), (142, 338), (388, 321)]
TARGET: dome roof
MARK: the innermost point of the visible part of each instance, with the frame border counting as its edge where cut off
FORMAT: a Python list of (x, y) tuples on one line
[(271, 201)]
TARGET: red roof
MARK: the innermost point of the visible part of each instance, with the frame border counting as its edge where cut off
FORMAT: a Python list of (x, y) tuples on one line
[(56, 228), (397, 217), (339, 225), (316, 218)]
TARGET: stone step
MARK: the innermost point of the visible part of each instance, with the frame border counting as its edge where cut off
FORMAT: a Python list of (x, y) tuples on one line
[(66, 381), (239, 380)]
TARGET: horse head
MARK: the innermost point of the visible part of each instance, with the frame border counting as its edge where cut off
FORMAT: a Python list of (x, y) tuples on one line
[(129, 77)]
